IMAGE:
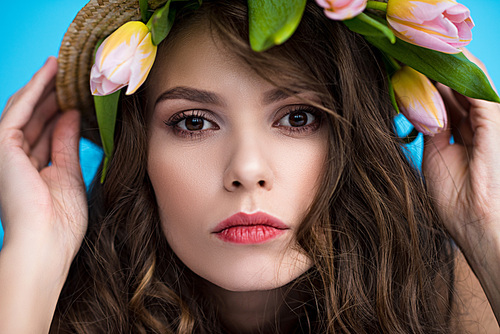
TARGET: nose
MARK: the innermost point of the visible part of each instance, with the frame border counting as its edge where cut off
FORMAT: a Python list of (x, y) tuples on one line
[(249, 166)]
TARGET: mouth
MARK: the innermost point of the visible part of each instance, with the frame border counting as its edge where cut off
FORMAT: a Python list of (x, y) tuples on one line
[(243, 228)]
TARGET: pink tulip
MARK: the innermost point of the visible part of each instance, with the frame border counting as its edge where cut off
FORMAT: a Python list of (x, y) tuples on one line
[(419, 101), (124, 58), (342, 9), (442, 25)]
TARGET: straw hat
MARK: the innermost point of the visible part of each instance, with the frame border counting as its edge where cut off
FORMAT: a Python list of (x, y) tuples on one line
[(93, 23)]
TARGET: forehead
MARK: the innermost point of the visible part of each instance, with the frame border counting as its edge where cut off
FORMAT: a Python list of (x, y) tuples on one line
[(197, 58)]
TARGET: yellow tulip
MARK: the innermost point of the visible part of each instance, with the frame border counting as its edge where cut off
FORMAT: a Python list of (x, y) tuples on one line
[(124, 58), (419, 101)]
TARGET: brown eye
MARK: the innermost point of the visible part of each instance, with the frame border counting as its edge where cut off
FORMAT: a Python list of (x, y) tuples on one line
[(297, 119), (195, 123)]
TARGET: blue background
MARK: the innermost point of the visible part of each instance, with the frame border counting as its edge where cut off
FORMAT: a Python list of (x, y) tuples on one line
[(34, 30)]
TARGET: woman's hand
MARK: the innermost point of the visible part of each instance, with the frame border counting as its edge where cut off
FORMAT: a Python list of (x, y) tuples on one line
[(43, 207), (38, 200), (464, 179)]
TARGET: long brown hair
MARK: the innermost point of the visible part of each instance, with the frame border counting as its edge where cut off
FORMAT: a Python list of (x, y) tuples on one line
[(382, 259)]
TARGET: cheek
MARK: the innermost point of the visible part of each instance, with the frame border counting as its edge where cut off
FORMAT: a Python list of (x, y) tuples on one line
[(299, 168), (183, 178)]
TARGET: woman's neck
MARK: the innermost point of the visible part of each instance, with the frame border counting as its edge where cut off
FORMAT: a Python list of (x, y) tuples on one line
[(256, 311)]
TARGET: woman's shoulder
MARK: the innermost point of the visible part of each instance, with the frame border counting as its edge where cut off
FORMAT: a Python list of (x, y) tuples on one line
[(472, 312)]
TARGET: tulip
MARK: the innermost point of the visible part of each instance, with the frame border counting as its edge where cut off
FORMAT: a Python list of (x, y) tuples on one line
[(124, 58), (441, 25), (419, 101), (342, 9)]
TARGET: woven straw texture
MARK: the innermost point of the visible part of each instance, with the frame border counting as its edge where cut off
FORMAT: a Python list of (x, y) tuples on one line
[(97, 20)]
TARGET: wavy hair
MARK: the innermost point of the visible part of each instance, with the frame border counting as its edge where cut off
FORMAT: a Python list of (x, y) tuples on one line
[(382, 261)]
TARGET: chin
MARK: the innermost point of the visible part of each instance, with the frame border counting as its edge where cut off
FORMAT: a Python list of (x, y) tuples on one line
[(257, 280)]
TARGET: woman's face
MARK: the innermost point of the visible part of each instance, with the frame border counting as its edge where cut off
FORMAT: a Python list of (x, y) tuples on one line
[(234, 164)]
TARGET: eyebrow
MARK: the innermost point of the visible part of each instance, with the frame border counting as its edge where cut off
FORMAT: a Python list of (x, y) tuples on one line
[(275, 95), (202, 96), (190, 94)]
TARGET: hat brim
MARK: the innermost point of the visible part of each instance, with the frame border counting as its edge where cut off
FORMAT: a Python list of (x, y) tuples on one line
[(93, 23)]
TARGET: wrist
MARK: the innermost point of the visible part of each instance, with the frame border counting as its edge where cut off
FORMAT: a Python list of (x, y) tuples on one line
[(484, 259), (42, 255), (49, 245), (31, 280)]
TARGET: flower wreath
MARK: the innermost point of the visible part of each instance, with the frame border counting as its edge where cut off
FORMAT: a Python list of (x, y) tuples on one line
[(420, 40)]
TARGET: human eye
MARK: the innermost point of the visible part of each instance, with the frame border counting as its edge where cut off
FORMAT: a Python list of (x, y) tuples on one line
[(297, 119), (191, 123)]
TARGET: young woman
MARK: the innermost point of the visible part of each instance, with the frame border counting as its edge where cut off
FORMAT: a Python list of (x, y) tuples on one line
[(250, 192)]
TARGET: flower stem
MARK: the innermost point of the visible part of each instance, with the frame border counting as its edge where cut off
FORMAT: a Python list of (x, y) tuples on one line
[(377, 5), (393, 63)]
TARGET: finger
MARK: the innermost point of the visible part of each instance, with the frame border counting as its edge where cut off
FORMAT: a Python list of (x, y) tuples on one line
[(40, 153), (26, 148), (434, 145), (463, 101), (19, 113), (50, 87), (65, 140), (485, 123), (45, 111), (458, 116)]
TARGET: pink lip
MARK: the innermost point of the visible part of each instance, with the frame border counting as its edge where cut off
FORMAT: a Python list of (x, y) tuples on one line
[(243, 228)]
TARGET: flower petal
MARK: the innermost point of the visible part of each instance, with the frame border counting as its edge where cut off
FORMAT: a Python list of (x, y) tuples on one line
[(419, 101), (342, 9), (431, 23), (141, 64), (420, 38), (121, 59), (120, 74), (109, 87)]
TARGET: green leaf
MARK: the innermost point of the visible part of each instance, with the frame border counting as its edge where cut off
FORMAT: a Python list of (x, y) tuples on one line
[(145, 14), (391, 67), (106, 108), (452, 70), (161, 23), (368, 26), (272, 22), (162, 20), (392, 95)]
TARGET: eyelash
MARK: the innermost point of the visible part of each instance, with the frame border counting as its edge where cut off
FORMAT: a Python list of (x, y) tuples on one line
[(174, 121), (306, 129)]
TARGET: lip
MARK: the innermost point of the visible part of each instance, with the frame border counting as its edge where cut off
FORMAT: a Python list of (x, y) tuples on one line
[(243, 228)]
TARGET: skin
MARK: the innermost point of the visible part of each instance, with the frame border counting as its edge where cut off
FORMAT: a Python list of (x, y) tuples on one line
[(44, 208), (242, 162), (465, 182), (248, 159)]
